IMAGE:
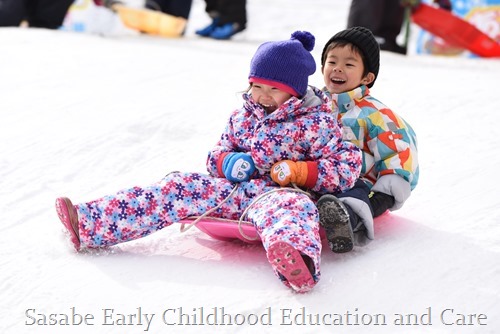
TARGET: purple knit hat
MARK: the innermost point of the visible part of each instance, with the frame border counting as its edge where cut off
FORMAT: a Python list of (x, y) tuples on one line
[(285, 65)]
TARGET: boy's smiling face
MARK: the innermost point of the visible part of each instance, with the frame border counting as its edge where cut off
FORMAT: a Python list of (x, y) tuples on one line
[(343, 70)]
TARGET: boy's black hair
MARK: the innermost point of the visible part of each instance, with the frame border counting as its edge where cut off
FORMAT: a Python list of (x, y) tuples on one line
[(364, 42), (344, 43)]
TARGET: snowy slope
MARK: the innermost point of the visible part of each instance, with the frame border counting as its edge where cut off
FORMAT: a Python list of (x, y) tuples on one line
[(84, 116)]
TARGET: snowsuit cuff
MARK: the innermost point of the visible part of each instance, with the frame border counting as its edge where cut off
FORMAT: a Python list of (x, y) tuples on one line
[(220, 161), (312, 174)]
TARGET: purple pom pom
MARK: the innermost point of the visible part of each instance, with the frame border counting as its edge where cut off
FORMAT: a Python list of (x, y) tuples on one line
[(306, 38)]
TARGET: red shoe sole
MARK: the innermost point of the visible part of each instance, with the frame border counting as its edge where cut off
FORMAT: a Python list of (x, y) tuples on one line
[(66, 216), (289, 263)]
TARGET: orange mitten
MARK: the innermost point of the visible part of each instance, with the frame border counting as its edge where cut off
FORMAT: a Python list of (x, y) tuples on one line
[(288, 171)]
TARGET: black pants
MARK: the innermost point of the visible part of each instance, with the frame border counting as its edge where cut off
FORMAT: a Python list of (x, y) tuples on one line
[(378, 203), (361, 192), (39, 13), (180, 8), (383, 17), (228, 11)]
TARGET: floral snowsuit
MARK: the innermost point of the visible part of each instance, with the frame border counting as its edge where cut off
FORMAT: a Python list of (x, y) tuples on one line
[(300, 130)]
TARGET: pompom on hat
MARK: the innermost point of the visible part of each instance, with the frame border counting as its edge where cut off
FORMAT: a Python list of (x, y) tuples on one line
[(285, 65), (365, 41)]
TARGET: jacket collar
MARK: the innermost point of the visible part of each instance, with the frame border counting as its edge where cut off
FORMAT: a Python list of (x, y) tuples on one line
[(347, 100)]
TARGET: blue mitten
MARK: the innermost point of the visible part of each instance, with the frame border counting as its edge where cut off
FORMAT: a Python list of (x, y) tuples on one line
[(238, 167)]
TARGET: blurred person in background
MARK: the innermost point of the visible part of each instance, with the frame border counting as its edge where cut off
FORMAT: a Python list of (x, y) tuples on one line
[(179, 8), (37, 13), (385, 19), (229, 17)]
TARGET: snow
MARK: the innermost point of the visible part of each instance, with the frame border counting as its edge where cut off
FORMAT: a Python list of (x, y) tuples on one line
[(84, 116)]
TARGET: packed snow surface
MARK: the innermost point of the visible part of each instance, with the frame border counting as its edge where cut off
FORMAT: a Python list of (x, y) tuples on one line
[(85, 115)]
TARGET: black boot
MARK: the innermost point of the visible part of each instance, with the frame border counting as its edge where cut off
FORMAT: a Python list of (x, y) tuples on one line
[(335, 219)]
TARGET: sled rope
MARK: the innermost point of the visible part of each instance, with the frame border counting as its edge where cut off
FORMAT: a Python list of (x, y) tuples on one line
[(260, 197), (184, 229), (241, 220)]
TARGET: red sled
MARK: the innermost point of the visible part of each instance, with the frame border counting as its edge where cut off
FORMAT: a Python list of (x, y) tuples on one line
[(227, 229), (223, 229), (455, 31)]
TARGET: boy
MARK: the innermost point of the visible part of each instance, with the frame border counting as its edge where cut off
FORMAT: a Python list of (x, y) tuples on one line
[(350, 64)]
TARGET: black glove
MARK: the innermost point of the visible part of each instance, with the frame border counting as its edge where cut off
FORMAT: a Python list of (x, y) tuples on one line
[(444, 4)]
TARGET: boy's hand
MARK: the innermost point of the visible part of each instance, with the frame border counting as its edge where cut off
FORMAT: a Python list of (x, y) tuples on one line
[(238, 167), (288, 171), (395, 186)]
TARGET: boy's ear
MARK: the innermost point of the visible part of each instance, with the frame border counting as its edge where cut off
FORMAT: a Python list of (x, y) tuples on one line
[(368, 79)]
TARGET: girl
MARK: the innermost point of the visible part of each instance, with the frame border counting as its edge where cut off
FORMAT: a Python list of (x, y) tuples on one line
[(284, 134)]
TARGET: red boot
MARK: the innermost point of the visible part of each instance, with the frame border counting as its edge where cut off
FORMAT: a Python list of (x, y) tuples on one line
[(290, 264), (69, 218)]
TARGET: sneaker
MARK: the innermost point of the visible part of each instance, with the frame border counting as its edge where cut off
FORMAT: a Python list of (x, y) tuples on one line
[(226, 31), (291, 267), (205, 32), (334, 218), (69, 218)]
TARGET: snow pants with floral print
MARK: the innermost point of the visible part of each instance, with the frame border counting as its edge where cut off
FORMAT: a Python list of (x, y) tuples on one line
[(136, 212)]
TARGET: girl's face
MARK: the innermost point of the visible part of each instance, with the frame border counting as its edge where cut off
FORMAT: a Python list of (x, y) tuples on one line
[(343, 70), (269, 97)]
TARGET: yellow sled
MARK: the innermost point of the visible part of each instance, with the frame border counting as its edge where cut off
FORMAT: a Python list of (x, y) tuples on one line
[(150, 21)]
